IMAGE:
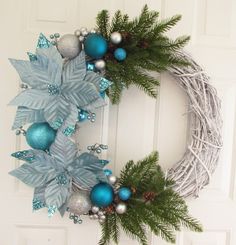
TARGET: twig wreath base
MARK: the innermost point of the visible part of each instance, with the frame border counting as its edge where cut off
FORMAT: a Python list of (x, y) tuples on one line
[(195, 169)]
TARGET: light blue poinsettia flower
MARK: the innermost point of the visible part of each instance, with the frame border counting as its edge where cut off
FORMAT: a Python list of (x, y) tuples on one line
[(52, 174), (54, 85)]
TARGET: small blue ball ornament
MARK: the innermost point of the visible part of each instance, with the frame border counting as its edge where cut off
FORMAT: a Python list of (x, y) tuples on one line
[(40, 136), (102, 195), (124, 193), (120, 54), (95, 46)]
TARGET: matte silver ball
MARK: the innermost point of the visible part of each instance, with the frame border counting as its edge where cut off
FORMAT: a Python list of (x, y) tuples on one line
[(100, 64), (77, 32), (121, 208), (93, 31), (84, 33), (69, 46), (81, 39), (100, 213), (79, 203), (101, 221), (95, 216), (116, 38), (112, 179), (103, 217), (95, 209)]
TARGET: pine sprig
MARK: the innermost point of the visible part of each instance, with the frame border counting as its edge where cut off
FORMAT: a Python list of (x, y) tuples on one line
[(164, 214), (147, 46)]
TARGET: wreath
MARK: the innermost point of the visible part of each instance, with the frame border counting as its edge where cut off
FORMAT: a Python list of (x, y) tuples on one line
[(66, 80)]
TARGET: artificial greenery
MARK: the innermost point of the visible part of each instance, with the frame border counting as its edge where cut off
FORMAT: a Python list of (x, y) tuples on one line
[(147, 46), (154, 205)]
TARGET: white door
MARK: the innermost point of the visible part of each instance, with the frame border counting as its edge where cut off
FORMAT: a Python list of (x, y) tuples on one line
[(135, 127)]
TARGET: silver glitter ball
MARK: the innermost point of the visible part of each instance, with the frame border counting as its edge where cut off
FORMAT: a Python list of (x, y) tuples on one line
[(69, 46), (116, 38), (112, 179), (95, 209), (121, 208), (100, 64), (79, 203), (77, 32)]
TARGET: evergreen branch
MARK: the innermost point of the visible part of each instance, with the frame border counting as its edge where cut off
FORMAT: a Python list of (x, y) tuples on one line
[(103, 23)]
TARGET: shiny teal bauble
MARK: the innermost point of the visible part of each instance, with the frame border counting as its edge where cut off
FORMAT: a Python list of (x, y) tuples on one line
[(102, 195), (40, 136), (95, 46), (124, 193), (120, 54)]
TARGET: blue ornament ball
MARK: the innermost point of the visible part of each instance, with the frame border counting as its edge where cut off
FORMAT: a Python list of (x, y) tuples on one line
[(120, 54), (40, 136), (124, 193), (95, 46), (102, 195)]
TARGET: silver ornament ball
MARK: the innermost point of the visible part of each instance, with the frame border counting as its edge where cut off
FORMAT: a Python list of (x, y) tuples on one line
[(95, 209), (103, 217), (121, 208), (116, 38), (112, 179), (79, 203), (100, 64), (69, 46), (101, 221)]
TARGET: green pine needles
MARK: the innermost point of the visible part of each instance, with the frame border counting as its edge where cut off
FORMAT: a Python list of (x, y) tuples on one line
[(147, 46), (154, 205)]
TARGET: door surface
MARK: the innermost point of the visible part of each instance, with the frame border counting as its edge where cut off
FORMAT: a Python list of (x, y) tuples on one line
[(135, 127)]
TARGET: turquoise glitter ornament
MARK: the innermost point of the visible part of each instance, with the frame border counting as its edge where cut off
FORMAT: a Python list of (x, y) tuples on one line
[(124, 193), (120, 54), (95, 46), (43, 42), (40, 136), (107, 172), (102, 195)]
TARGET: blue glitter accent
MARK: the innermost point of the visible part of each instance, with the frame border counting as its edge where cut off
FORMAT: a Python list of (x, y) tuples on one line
[(57, 124), (37, 204), (90, 66), (103, 94), (104, 84), (51, 210), (69, 130), (62, 179), (24, 155), (53, 89), (107, 172), (82, 115), (43, 42), (32, 57), (104, 162)]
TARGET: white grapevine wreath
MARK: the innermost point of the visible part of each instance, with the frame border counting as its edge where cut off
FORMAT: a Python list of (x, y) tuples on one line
[(65, 81)]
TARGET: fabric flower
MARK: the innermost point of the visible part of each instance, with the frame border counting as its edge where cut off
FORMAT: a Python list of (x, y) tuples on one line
[(52, 174), (54, 85)]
